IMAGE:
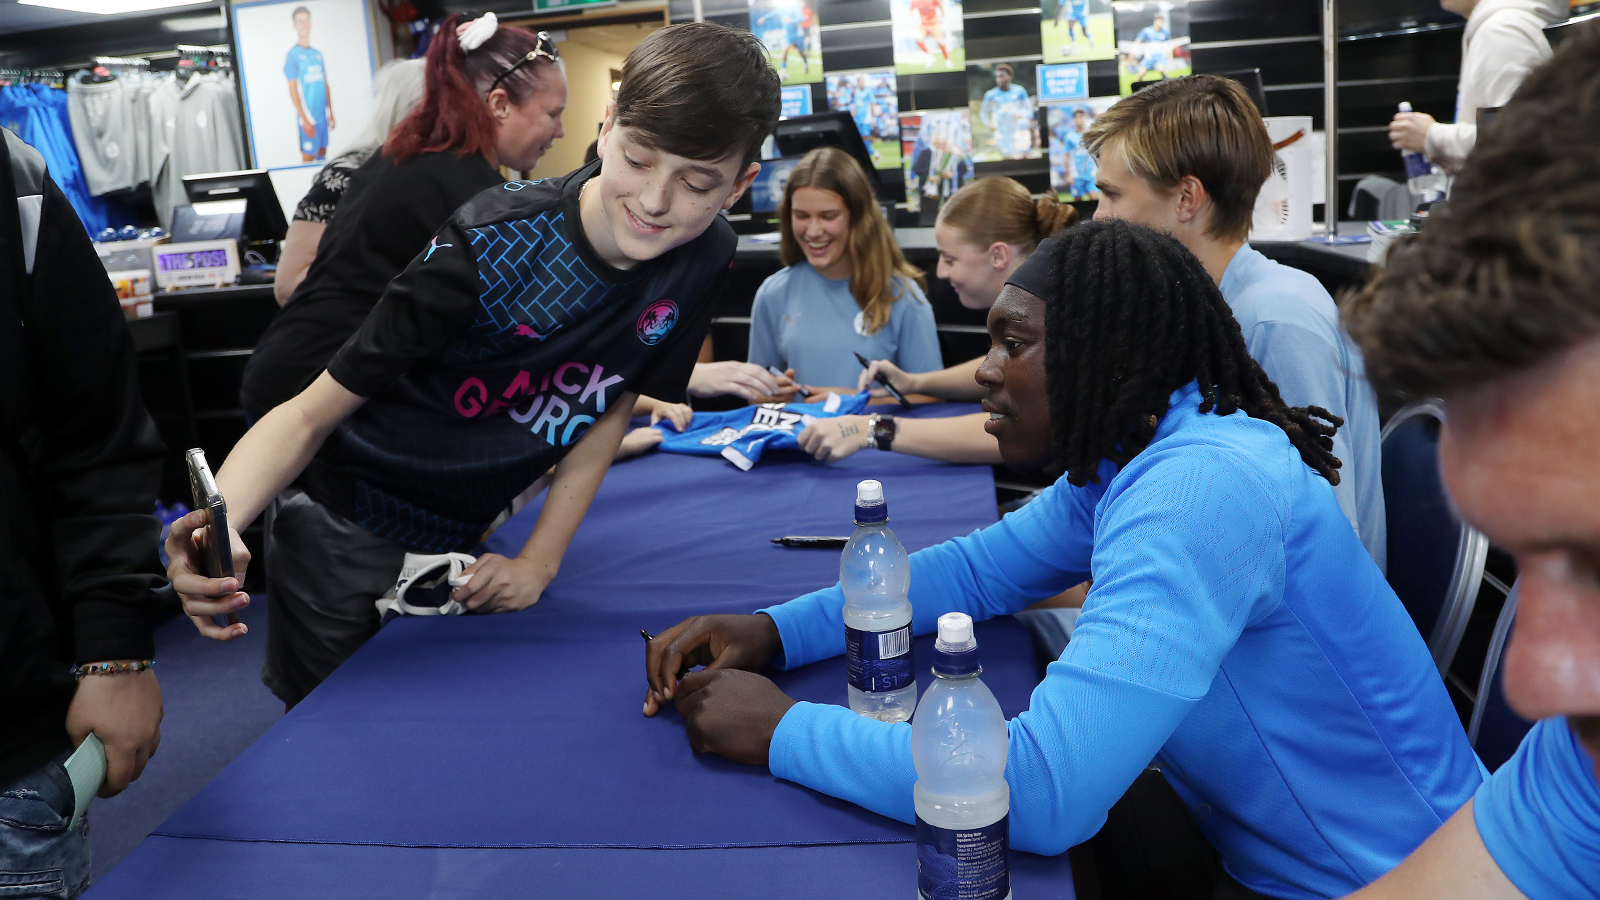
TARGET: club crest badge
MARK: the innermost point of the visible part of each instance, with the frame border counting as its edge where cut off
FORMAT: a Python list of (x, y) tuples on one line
[(657, 320)]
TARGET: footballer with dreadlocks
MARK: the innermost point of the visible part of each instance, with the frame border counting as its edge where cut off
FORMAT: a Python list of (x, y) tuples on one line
[(1237, 632)]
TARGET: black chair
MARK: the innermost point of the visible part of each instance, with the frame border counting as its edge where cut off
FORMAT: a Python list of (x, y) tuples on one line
[(1496, 730), (1435, 560)]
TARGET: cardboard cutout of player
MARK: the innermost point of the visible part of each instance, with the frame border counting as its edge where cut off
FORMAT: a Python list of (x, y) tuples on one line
[(308, 90)]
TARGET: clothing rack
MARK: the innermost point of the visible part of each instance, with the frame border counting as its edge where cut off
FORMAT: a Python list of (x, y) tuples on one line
[(122, 62), (214, 57), (53, 77)]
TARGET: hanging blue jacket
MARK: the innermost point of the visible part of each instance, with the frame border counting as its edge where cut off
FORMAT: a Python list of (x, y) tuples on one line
[(37, 113), (1237, 633)]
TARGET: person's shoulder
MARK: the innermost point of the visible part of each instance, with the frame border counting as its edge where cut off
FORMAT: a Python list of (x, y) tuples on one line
[(511, 201), (780, 281), (27, 165), (1210, 452), (907, 292), (1266, 291)]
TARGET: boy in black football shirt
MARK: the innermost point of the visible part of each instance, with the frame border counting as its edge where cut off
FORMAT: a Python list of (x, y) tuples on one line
[(519, 339)]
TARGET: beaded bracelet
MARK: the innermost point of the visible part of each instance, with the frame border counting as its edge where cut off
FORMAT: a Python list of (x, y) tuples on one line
[(111, 668)]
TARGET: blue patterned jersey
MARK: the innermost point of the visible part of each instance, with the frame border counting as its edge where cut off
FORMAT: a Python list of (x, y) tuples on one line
[(741, 435), (493, 353), (303, 65)]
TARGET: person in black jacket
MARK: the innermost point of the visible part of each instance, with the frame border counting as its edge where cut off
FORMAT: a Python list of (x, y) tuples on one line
[(80, 462)]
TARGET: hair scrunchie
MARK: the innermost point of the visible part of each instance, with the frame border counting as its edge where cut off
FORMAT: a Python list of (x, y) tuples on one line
[(473, 34)]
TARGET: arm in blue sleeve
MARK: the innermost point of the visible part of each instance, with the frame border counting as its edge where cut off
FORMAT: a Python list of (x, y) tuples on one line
[(1188, 555), (1539, 814), (1036, 552), (918, 333), (766, 314)]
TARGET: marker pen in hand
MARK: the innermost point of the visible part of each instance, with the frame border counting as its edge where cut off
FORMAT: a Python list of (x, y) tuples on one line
[(880, 378), (774, 370)]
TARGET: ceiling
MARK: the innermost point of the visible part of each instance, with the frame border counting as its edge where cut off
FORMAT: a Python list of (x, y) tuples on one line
[(15, 17)]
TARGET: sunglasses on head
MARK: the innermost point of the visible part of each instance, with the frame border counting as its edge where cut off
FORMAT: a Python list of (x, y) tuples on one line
[(546, 48)]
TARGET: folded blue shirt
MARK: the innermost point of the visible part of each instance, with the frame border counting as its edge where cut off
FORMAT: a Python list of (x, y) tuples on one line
[(741, 435), (1237, 632), (1539, 816)]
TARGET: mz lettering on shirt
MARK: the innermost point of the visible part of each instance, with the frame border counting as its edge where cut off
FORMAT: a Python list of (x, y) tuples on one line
[(493, 353)]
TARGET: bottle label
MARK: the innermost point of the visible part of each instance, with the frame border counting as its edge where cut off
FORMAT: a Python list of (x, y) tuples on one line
[(879, 661), (963, 865), (1417, 165)]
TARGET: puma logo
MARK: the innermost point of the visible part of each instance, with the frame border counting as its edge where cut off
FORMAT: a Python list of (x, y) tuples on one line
[(432, 246)]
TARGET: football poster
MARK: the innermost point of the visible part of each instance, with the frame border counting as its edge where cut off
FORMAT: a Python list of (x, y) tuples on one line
[(1005, 122), (928, 36), (871, 99), (792, 35)]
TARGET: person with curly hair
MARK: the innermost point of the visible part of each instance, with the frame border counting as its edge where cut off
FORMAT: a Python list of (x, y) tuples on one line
[(1494, 309), (1237, 632)]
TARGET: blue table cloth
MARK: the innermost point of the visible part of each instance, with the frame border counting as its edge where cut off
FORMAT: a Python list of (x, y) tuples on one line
[(505, 755)]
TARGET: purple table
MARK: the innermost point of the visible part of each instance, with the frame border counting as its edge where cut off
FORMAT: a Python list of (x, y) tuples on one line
[(503, 755)]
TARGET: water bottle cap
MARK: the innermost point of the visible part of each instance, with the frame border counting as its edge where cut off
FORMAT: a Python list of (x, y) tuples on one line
[(955, 632), (870, 507), (869, 492)]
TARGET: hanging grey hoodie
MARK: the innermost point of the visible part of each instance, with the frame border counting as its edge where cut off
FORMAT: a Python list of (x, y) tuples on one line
[(1504, 42)]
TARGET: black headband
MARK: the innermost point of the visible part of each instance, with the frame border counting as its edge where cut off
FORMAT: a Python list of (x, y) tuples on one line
[(1033, 275)]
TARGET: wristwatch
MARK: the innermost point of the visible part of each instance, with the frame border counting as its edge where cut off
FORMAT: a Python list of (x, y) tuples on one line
[(883, 428)]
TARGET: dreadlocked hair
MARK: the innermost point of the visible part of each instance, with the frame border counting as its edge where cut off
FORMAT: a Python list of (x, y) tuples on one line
[(1136, 317)]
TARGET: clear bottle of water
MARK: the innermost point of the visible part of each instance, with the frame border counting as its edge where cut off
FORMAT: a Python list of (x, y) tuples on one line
[(958, 743), (1426, 180), (875, 576)]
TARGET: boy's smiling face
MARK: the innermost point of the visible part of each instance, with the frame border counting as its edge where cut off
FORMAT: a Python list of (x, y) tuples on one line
[(646, 202)]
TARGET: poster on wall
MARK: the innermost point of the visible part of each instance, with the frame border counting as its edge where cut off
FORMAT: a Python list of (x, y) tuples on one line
[(871, 99), (1000, 97), (928, 36), (796, 101), (937, 151), (1077, 30), (1152, 41), (1072, 169), (790, 31), (305, 71)]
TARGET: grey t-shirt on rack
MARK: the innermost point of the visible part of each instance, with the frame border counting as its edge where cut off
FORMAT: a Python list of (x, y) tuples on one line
[(111, 131)]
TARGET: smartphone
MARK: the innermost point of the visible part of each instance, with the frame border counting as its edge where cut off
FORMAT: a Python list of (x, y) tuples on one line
[(218, 543)]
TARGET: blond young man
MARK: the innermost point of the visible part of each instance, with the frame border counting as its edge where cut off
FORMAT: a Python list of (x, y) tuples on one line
[(1188, 157)]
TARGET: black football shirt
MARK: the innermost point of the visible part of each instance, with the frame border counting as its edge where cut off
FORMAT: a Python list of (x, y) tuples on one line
[(493, 353)]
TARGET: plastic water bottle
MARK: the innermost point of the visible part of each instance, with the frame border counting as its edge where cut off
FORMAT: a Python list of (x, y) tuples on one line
[(958, 743), (1425, 179), (875, 576)]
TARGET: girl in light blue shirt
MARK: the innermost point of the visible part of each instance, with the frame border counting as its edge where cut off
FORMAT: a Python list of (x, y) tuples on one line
[(846, 286)]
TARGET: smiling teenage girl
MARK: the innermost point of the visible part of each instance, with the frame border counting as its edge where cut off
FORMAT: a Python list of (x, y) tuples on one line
[(983, 233), (846, 288)]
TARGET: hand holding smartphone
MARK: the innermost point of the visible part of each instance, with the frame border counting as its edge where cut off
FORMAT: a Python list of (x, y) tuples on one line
[(217, 541)]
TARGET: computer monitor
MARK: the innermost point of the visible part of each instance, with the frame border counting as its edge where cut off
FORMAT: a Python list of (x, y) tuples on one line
[(263, 220), (766, 192), (802, 134)]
